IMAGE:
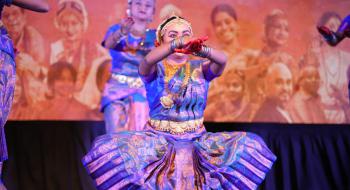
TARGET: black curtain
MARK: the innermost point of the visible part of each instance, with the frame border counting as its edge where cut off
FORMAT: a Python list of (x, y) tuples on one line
[(46, 154)]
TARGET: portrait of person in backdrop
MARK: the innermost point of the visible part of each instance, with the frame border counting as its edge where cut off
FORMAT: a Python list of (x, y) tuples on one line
[(231, 104), (276, 35), (8, 70), (61, 105), (174, 151), (333, 64), (224, 20), (30, 61), (74, 47), (102, 75), (305, 105), (21, 105), (124, 103), (279, 91)]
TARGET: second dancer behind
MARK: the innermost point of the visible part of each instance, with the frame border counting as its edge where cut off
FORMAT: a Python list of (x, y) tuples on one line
[(124, 101)]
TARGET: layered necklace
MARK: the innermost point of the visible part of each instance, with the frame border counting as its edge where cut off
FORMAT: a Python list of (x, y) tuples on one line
[(170, 70)]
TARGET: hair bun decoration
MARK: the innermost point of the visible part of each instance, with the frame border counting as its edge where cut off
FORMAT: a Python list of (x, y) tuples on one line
[(167, 22)]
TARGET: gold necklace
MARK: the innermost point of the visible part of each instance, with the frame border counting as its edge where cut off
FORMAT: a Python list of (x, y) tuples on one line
[(131, 48), (170, 70), (167, 101)]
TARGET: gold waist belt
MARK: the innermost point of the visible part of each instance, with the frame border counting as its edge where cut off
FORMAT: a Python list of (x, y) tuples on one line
[(176, 128), (133, 82)]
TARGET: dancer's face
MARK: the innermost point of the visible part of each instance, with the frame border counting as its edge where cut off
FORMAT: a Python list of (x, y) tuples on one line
[(310, 81), (174, 31), (225, 27), (333, 23), (142, 9), (14, 19), (64, 85), (277, 33), (71, 26)]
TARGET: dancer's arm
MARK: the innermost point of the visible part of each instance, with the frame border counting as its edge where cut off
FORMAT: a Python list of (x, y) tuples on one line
[(216, 64), (344, 28), (216, 59), (113, 39), (33, 5), (334, 38), (148, 65)]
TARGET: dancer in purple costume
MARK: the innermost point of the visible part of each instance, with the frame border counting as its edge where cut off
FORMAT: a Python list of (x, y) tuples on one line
[(7, 69), (124, 103), (175, 151)]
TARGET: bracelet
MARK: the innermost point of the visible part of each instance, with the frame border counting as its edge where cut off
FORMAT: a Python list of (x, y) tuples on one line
[(205, 52), (119, 38)]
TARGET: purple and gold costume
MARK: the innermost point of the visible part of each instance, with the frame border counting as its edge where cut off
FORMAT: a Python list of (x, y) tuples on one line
[(7, 82), (124, 97), (175, 151)]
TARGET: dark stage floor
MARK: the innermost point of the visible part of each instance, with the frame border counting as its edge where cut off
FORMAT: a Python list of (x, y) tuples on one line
[(46, 154)]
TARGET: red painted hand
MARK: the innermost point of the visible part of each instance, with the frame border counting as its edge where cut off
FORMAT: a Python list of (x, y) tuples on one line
[(192, 46)]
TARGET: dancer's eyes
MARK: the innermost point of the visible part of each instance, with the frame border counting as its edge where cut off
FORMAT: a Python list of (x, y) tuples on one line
[(186, 35), (172, 34)]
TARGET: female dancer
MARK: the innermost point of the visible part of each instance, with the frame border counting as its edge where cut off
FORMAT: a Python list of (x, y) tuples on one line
[(175, 151), (124, 98), (7, 69)]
